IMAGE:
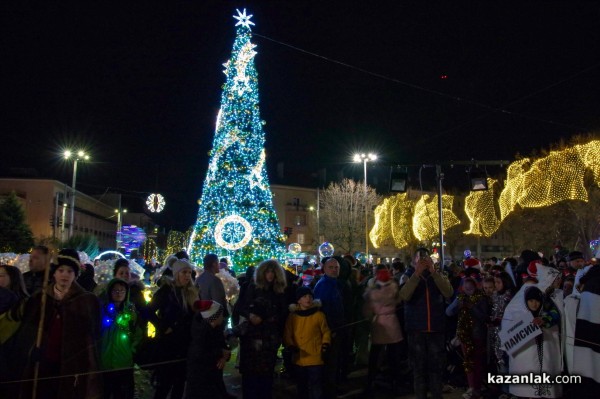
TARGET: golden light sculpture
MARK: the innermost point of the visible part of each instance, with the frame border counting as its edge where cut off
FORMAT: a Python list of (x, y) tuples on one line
[(552, 179), (381, 231), (589, 154), (401, 220), (425, 218), (530, 183), (480, 209), (393, 222), (513, 186)]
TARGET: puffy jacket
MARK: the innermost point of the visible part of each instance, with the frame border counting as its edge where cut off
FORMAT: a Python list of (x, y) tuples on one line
[(307, 330), (329, 291), (424, 308)]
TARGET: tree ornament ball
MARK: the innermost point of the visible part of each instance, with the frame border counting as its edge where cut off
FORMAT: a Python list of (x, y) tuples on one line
[(326, 249), (467, 253), (230, 184), (361, 257), (294, 248)]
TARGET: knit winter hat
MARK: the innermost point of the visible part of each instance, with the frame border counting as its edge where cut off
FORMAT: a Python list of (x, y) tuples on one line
[(575, 255), (179, 265), (534, 293), (68, 257), (300, 292), (210, 310), (383, 275), (472, 262), (259, 307)]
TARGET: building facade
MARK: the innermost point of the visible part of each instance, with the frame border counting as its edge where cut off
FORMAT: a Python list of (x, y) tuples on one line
[(47, 211)]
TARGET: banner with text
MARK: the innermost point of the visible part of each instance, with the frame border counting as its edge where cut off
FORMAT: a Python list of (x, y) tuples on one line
[(518, 332)]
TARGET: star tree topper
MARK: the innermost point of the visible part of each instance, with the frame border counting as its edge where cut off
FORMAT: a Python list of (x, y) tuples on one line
[(243, 19)]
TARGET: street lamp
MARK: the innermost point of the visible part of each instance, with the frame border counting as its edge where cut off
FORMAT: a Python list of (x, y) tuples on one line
[(364, 158), (119, 226), (80, 155)]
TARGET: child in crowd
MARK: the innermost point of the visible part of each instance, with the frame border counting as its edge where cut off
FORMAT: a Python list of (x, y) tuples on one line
[(121, 335), (207, 353), (541, 354), (307, 336), (472, 308), (488, 286)]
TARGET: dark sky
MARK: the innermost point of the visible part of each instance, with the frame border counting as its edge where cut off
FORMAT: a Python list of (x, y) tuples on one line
[(139, 87)]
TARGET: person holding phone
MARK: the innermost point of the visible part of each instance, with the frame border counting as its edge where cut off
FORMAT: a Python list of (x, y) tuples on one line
[(424, 295)]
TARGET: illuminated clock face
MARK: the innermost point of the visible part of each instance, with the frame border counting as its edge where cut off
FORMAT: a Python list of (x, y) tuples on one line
[(233, 232)]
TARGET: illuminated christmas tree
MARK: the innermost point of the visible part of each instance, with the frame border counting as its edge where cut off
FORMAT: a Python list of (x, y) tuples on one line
[(236, 216)]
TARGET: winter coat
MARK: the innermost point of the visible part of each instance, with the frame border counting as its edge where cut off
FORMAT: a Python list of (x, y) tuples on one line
[(211, 288), (205, 350), (119, 341), (330, 292), (424, 308), (79, 315), (166, 311), (8, 299), (381, 300), (307, 331)]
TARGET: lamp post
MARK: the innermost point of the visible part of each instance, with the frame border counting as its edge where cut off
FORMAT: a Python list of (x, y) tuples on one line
[(80, 155), (364, 158), (119, 213)]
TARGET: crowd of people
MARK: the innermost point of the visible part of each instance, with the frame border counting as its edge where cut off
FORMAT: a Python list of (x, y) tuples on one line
[(418, 327)]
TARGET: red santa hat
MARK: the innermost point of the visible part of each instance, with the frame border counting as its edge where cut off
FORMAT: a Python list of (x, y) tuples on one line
[(209, 310), (532, 268), (472, 262)]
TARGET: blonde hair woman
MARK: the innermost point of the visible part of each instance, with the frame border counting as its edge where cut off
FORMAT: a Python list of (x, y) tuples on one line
[(171, 312)]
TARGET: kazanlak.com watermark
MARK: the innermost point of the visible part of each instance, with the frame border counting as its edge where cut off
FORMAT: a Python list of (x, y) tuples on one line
[(532, 378)]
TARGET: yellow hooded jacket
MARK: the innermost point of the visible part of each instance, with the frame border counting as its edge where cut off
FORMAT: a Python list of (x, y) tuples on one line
[(307, 330)]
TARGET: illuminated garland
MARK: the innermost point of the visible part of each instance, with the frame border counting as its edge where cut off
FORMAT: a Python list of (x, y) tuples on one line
[(464, 329), (124, 320)]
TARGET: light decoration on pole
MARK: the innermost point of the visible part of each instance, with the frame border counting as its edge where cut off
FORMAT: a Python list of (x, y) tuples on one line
[(236, 217), (155, 203)]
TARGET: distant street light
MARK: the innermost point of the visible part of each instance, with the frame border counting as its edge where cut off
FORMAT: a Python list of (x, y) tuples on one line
[(364, 158), (119, 226), (81, 155)]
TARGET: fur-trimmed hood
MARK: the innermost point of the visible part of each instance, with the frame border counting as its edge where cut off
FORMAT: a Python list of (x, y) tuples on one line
[(316, 305), (260, 281)]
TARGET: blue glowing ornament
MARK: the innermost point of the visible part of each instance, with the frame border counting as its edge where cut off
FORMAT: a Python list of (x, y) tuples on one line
[(595, 247), (361, 257), (326, 250), (467, 254)]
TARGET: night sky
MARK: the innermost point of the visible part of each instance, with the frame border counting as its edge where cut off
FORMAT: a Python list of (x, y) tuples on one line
[(139, 86)]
